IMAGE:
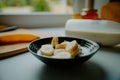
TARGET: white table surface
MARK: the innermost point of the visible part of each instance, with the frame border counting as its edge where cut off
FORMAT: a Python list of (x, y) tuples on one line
[(104, 65)]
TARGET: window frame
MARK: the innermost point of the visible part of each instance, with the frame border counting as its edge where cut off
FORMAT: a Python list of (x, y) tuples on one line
[(45, 19), (41, 19)]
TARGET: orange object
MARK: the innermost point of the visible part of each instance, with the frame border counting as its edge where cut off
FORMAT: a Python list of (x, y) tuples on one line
[(17, 38), (111, 11), (77, 16)]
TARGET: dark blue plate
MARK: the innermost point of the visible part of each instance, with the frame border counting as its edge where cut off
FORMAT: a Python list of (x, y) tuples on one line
[(89, 48)]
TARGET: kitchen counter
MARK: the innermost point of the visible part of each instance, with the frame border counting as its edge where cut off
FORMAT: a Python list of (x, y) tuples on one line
[(104, 65)]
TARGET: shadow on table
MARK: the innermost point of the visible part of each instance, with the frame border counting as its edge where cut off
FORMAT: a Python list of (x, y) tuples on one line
[(86, 71)]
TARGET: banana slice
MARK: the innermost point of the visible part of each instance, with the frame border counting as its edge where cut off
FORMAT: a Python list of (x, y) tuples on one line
[(62, 51), (76, 52), (62, 45), (47, 50), (62, 55), (57, 51), (73, 48), (54, 41)]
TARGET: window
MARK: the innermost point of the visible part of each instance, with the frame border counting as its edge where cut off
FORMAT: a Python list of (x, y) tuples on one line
[(39, 13), (28, 6)]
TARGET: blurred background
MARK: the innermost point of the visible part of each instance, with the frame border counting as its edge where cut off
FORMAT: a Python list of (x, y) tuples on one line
[(26, 6), (38, 13)]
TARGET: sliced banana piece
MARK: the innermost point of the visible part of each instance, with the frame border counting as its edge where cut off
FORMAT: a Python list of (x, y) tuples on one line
[(62, 45), (54, 41), (57, 51), (62, 55), (63, 50), (39, 52), (72, 48), (76, 52), (47, 50)]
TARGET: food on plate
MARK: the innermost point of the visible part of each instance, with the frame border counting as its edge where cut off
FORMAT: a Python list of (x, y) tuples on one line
[(72, 48), (47, 50), (62, 45), (62, 55), (56, 51), (66, 49), (54, 41), (17, 38)]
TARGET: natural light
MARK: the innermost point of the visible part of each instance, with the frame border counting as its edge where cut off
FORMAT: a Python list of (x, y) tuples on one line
[(28, 6), (59, 39)]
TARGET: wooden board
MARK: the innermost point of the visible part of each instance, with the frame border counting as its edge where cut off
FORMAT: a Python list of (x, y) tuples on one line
[(13, 49)]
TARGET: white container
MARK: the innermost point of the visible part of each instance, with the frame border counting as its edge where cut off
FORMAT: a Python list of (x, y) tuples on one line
[(102, 31)]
